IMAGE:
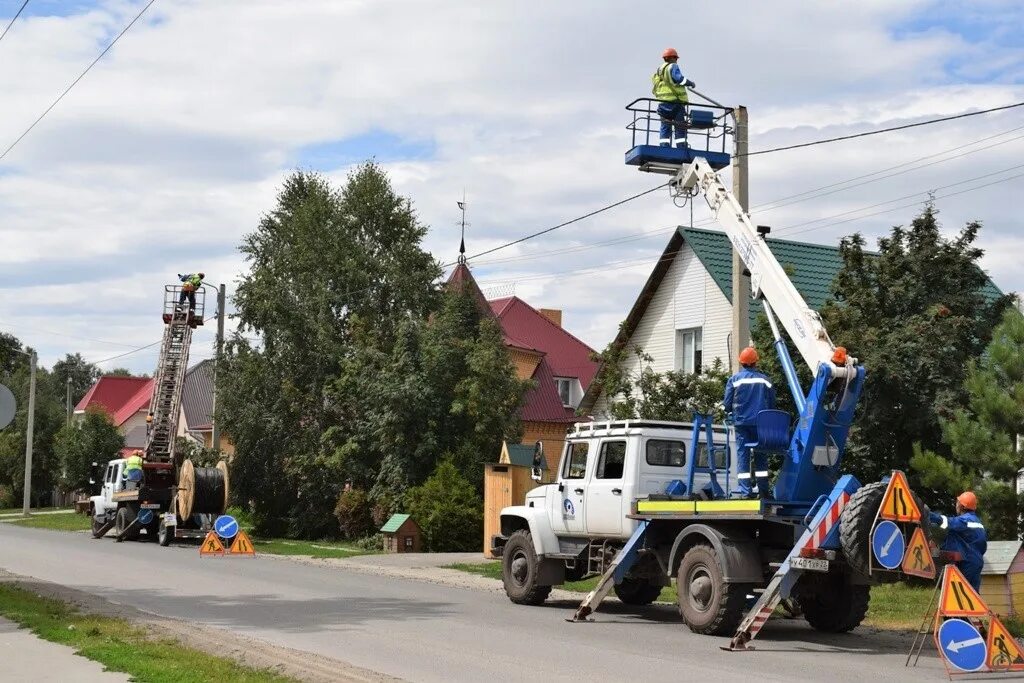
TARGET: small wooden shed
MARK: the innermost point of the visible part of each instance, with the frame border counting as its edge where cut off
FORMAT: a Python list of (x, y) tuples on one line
[(1002, 578), (402, 535), (506, 483)]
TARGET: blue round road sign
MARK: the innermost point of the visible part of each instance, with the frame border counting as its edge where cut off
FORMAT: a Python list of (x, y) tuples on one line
[(962, 645), (145, 516), (226, 526), (888, 545)]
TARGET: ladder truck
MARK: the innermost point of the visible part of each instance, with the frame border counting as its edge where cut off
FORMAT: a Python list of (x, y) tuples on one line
[(164, 502), (734, 559)]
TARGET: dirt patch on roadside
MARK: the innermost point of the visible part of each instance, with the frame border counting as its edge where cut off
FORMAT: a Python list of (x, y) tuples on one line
[(304, 666)]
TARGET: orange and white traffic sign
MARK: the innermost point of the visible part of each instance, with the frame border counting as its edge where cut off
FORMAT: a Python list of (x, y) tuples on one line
[(958, 598), (211, 545), (242, 545), (1004, 652), (918, 559), (899, 505)]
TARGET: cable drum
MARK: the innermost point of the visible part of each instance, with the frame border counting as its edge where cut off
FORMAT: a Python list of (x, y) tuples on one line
[(202, 490)]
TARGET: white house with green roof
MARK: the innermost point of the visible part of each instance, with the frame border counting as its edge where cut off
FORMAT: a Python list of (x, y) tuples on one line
[(682, 318)]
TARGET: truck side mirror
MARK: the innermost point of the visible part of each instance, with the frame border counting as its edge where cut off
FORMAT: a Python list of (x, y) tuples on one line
[(538, 459)]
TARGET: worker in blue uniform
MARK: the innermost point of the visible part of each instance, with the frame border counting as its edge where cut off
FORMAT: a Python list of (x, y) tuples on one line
[(669, 87), (965, 534), (747, 393)]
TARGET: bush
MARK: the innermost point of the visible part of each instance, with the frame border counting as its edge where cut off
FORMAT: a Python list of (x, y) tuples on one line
[(371, 543), (448, 510), (353, 513)]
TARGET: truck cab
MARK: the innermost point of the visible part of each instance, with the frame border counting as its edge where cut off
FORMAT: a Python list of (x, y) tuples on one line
[(576, 525)]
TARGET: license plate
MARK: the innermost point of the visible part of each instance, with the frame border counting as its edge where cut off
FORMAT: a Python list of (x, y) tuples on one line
[(809, 564), (150, 506)]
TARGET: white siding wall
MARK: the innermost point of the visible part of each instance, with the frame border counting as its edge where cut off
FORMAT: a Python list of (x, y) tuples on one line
[(687, 298)]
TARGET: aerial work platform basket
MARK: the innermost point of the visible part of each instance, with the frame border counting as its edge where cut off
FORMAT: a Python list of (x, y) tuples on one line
[(179, 311), (707, 128)]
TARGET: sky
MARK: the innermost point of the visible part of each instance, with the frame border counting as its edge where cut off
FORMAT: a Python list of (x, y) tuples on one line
[(166, 154)]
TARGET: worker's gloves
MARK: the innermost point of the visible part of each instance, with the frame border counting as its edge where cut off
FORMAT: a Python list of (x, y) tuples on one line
[(690, 84), (179, 276), (935, 518)]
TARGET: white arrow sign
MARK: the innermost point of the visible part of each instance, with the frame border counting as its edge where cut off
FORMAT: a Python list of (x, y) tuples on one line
[(888, 544), (955, 646)]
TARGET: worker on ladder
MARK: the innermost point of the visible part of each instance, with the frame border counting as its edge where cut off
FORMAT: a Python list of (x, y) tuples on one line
[(670, 89), (747, 393), (190, 283), (965, 534)]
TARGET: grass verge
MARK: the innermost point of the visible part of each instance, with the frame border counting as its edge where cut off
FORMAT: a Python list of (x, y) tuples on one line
[(68, 522), (123, 646), (17, 510)]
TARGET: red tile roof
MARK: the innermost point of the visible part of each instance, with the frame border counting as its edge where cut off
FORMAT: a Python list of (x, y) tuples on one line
[(543, 404), (112, 393), (139, 401), (525, 326)]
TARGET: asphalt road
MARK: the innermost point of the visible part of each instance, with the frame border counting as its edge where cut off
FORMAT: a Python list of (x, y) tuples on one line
[(428, 632)]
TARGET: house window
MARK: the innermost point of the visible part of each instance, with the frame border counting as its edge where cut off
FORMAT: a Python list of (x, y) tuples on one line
[(576, 463), (564, 385), (408, 542), (689, 350)]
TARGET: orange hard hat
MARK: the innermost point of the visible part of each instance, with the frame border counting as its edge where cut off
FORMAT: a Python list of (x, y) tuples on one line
[(968, 500), (748, 356), (670, 52)]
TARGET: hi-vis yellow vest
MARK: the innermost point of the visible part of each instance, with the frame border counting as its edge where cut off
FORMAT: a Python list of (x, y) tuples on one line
[(664, 89), (133, 462)]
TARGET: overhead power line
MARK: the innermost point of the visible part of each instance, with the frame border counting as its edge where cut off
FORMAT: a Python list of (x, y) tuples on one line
[(890, 129), (16, 15), (75, 82)]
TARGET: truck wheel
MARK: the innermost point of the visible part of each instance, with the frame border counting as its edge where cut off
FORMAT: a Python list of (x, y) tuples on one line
[(519, 567), (124, 518), (165, 534), (98, 530), (831, 604), (637, 591), (857, 522), (707, 604)]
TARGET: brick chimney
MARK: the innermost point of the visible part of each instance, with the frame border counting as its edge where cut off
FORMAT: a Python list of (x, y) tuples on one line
[(552, 314)]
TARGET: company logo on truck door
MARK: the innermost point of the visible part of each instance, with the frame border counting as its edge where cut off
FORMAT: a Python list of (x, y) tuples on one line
[(568, 509)]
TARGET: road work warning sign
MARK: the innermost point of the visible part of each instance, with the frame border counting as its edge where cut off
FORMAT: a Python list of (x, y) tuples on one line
[(242, 545), (899, 505), (211, 545), (958, 598), (1004, 652), (918, 559)]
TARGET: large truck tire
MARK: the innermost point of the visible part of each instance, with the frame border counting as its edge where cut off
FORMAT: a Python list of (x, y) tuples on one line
[(832, 604), (164, 534), (99, 529), (707, 604), (519, 570), (124, 518), (857, 522), (637, 591)]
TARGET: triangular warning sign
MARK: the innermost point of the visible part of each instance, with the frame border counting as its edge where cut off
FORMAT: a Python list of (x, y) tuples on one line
[(898, 504), (242, 545), (211, 545), (958, 598), (918, 559), (1004, 652)]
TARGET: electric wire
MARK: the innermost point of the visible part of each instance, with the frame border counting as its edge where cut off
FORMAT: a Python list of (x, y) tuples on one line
[(75, 82), (16, 15)]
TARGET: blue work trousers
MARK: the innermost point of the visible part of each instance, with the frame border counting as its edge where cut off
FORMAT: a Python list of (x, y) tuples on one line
[(746, 434), (188, 296), (669, 112)]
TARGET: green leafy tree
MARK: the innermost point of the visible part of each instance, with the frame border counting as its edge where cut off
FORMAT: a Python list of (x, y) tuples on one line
[(81, 373), (188, 449), (354, 514), (79, 444), (448, 509), (915, 316), (983, 435)]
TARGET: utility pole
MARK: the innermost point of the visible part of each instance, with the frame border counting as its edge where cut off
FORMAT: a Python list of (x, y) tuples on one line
[(69, 399), (221, 298), (740, 282), (28, 433)]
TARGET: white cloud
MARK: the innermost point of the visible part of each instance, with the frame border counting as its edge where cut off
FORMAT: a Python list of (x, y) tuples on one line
[(169, 150)]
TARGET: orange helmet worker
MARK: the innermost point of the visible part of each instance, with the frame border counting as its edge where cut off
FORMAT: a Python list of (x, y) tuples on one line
[(965, 534), (747, 393), (669, 88)]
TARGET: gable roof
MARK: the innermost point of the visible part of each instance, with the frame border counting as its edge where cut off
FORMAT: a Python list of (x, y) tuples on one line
[(526, 327), (110, 393), (999, 556), (394, 523), (197, 396), (811, 267), (522, 455), (542, 402)]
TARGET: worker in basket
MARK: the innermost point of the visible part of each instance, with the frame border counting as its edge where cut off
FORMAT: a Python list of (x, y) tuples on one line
[(190, 283), (133, 469), (965, 534), (747, 393), (669, 87)]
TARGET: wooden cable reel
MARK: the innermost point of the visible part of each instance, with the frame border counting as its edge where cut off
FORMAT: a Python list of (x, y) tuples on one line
[(202, 490)]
